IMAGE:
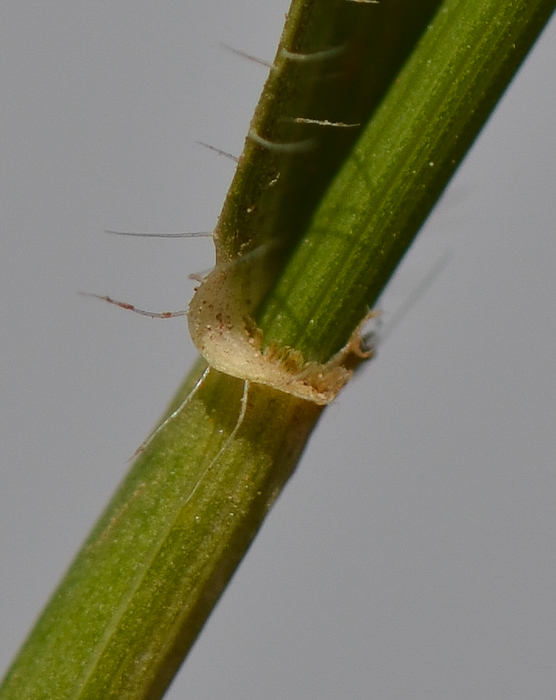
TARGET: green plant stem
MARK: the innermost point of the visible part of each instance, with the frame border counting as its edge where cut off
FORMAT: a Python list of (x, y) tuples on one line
[(146, 579), (398, 169)]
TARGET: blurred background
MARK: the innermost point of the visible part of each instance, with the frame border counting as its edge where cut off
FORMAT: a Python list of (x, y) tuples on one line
[(412, 554)]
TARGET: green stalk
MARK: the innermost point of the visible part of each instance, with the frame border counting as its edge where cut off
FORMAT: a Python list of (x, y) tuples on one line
[(145, 581), (398, 170), (152, 569)]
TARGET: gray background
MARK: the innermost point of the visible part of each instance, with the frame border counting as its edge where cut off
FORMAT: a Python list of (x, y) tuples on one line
[(412, 555)]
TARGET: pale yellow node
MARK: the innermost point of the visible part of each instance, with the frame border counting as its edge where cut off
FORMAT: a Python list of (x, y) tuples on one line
[(224, 332)]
